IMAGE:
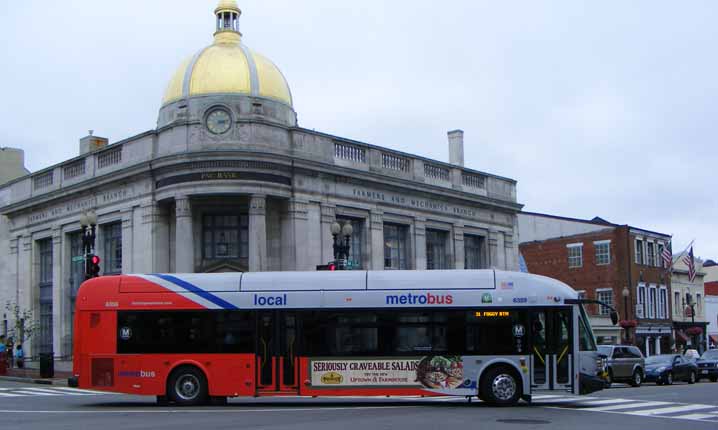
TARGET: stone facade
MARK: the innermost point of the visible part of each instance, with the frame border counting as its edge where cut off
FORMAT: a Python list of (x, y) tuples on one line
[(285, 185)]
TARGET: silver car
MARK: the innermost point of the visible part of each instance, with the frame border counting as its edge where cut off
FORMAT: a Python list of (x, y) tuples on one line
[(625, 363)]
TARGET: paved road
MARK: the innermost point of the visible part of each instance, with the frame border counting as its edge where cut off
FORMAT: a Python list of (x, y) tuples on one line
[(31, 406)]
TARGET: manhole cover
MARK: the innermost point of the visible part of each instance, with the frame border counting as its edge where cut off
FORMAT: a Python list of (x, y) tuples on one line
[(523, 421)]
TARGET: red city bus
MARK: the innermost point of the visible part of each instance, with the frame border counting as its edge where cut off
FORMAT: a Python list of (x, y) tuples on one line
[(191, 338)]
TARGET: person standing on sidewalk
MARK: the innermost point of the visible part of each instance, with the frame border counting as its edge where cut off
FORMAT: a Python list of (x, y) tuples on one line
[(3, 352), (19, 357)]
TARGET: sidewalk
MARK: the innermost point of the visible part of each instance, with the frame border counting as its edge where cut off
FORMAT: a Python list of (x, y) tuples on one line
[(33, 375)]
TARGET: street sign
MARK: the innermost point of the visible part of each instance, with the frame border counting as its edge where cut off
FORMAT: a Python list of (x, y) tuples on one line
[(77, 258)]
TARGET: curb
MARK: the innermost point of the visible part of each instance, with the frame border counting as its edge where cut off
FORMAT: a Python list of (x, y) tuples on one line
[(34, 380)]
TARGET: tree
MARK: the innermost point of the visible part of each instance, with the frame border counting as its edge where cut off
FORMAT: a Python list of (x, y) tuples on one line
[(25, 325)]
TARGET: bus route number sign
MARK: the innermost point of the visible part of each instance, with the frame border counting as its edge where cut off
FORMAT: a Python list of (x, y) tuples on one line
[(492, 314)]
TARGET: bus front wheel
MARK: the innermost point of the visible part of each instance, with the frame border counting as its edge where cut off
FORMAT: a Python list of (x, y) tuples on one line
[(187, 386), (501, 386)]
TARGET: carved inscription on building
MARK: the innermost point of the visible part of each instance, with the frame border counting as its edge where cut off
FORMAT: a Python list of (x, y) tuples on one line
[(81, 204)]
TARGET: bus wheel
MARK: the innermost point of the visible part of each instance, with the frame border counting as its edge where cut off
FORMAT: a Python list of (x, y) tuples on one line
[(187, 386), (501, 386)]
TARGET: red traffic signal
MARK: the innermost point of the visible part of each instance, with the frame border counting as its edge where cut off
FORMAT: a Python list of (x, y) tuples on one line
[(95, 259)]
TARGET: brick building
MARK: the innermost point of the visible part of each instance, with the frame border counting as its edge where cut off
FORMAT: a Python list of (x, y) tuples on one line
[(617, 264)]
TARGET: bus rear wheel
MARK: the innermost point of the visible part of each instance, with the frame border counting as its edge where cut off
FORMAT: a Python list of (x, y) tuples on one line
[(187, 386), (500, 386)]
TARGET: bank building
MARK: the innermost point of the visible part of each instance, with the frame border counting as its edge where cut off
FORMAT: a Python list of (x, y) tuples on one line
[(228, 181)]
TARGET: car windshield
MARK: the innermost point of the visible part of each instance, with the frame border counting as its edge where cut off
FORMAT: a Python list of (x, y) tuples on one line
[(709, 355), (659, 359)]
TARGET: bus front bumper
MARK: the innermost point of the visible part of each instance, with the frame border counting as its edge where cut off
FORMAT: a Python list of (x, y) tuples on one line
[(590, 383)]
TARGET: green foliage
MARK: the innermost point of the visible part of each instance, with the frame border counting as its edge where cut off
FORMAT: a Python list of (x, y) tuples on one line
[(25, 324)]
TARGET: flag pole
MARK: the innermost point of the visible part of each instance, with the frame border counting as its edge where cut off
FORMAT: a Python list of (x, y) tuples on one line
[(681, 254)]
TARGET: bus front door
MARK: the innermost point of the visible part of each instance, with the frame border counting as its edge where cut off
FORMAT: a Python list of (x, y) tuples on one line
[(276, 358), (551, 349)]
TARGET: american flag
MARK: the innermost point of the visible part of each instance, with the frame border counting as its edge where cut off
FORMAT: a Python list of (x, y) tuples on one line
[(690, 262), (667, 256)]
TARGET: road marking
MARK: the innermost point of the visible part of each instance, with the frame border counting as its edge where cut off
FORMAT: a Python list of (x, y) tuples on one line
[(695, 416), (37, 393), (564, 399), (54, 392), (11, 395), (670, 410), (626, 406), (603, 402)]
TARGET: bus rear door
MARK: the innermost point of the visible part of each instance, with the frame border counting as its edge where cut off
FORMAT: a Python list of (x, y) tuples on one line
[(552, 349), (277, 362)]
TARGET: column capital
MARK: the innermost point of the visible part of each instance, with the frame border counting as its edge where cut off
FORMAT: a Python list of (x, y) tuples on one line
[(377, 219), (182, 207), (297, 209), (257, 204), (328, 212), (419, 226)]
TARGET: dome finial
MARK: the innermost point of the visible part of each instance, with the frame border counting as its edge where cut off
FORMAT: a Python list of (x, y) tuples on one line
[(227, 14)]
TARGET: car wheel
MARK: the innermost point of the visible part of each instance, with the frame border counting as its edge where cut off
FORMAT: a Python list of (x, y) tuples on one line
[(669, 378), (501, 386), (637, 378), (692, 378), (187, 386)]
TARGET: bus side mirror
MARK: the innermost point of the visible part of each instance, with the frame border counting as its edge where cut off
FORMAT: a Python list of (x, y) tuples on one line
[(614, 317)]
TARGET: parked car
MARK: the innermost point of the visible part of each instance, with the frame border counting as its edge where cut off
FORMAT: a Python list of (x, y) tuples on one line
[(624, 363), (666, 368), (708, 365)]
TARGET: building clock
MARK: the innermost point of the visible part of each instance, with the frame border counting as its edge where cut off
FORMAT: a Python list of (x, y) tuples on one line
[(218, 121)]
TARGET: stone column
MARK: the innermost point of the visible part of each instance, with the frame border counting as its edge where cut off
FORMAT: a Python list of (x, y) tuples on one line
[(658, 345), (501, 251), (184, 241), (648, 346), (295, 237), (493, 249), (257, 233), (459, 254), (376, 220), (128, 248), (328, 216), (420, 243), (151, 249), (512, 256), (58, 299)]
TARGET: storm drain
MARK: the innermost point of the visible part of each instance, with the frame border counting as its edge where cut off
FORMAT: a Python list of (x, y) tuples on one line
[(523, 421)]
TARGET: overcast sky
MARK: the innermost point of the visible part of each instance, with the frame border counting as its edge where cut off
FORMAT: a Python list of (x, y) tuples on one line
[(596, 108)]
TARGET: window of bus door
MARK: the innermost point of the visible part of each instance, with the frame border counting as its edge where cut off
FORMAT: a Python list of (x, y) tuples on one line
[(586, 340), (551, 349)]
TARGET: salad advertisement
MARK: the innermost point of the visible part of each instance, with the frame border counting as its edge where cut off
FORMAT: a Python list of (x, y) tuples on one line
[(435, 372)]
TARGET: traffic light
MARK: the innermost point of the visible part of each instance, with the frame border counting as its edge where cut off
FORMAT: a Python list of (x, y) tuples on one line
[(330, 266), (93, 267)]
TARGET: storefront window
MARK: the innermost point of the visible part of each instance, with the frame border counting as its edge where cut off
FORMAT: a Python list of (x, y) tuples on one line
[(436, 257), (112, 234), (473, 252), (395, 248), (225, 236)]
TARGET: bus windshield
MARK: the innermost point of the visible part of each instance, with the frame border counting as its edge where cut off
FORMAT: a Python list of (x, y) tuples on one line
[(586, 339)]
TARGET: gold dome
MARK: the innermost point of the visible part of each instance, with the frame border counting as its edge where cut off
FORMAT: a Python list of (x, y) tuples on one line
[(227, 66)]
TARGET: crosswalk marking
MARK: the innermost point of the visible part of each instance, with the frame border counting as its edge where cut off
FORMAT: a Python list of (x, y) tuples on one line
[(54, 392), (695, 416), (603, 402), (625, 406), (36, 393), (77, 390), (10, 395), (671, 410)]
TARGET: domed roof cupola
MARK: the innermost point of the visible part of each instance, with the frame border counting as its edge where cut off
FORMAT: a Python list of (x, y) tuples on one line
[(227, 68)]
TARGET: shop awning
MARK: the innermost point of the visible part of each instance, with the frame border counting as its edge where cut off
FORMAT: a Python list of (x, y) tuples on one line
[(681, 337)]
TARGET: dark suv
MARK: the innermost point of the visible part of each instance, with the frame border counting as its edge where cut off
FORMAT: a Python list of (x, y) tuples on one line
[(625, 363)]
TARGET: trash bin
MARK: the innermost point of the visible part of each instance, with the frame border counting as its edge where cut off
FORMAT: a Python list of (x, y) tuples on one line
[(47, 365)]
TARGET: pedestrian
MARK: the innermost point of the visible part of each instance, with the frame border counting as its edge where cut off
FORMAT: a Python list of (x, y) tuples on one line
[(10, 347), (19, 357), (3, 347)]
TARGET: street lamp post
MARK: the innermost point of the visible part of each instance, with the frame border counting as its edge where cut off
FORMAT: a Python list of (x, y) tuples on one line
[(342, 241), (88, 222), (625, 294)]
